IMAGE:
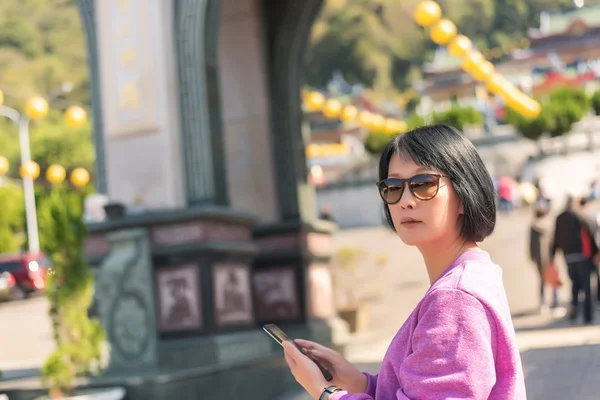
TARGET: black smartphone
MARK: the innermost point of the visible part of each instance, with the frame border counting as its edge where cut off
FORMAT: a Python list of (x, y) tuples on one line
[(276, 333)]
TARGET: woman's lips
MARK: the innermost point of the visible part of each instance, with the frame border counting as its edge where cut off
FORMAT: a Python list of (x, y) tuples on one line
[(409, 222)]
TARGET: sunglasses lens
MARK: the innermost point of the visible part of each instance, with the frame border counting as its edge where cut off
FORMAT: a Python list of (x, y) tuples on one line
[(424, 187), (390, 193)]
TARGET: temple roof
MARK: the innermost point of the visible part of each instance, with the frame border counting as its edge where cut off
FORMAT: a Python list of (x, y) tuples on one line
[(442, 62), (557, 23)]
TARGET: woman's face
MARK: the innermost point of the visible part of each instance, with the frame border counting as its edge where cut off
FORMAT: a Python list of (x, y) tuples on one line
[(424, 222)]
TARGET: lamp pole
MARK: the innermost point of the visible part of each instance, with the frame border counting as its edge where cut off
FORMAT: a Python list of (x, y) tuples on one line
[(22, 122)]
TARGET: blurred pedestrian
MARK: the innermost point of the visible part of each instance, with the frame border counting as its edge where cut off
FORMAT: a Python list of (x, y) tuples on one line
[(540, 237), (591, 215), (572, 236)]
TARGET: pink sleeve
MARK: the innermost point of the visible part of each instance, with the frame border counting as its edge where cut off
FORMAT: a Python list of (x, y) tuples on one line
[(453, 349), (371, 384)]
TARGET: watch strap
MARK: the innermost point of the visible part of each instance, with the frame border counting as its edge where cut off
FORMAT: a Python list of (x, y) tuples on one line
[(328, 391)]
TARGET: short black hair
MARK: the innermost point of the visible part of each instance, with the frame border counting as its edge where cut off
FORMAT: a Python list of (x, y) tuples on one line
[(446, 149)]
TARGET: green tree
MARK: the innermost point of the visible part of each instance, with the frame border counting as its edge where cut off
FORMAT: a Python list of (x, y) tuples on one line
[(375, 142), (532, 129), (70, 290), (459, 117), (595, 102), (11, 218)]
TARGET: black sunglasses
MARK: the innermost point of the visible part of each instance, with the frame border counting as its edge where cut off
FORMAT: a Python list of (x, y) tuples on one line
[(422, 187)]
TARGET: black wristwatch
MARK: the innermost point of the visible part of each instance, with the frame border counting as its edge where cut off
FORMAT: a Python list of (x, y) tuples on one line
[(328, 391)]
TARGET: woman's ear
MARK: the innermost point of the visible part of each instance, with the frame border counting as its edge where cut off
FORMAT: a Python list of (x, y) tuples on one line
[(461, 209)]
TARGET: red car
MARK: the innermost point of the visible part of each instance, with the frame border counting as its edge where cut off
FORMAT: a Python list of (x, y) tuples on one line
[(29, 271)]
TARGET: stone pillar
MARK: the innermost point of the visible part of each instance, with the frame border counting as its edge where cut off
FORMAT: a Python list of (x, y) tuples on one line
[(87, 14), (124, 299), (245, 96), (196, 29), (288, 29)]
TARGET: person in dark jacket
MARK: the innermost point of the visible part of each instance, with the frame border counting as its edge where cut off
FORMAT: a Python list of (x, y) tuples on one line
[(573, 237), (591, 213), (540, 236)]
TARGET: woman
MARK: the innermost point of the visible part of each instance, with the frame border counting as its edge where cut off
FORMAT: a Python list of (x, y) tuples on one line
[(459, 342)]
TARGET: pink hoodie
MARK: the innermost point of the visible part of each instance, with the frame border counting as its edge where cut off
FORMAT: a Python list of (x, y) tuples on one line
[(458, 343)]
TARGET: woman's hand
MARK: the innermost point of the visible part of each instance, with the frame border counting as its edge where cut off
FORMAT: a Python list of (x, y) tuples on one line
[(345, 374), (305, 371)]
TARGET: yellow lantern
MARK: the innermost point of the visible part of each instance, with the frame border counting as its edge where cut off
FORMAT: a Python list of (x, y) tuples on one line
[(311, 150), (377, 123), (349, 113), (496, 84), (483, 71), (364, 119), (402, 126), (472, 61), (36, 108), (332, 108), (3, 165), (30, 170), (1, 97), (391, 126), (304, 94), (460, 46), (443, 31), (315, 101), (427, 13), (80, 177), (524, 105), (56, 174), (75, 116)]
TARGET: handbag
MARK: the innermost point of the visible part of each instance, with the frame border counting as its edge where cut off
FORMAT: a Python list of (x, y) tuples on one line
[(551, 277)]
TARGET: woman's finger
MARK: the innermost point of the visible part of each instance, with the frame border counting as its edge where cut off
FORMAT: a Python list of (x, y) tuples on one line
[(318, 350), (307, 344), (289, 358)]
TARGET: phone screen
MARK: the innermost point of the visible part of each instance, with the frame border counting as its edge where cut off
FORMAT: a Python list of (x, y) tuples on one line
[(280, 336)]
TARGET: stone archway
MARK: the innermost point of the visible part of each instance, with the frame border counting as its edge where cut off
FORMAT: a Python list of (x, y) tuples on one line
[(196, 28), (289, 25)]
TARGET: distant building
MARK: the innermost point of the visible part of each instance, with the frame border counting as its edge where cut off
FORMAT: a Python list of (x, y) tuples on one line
[(563, 51)]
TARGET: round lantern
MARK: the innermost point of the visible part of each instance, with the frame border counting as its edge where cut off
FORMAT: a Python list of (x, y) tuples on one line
[(472, 61), (349, 113), (30, 170), (460, 46), (443, 31), (496, 84), (75, 116), (483, 71), (332, 108), (36, 108), (3, 165), (391, 126), (56, 174), (427, 13), (80, 177), (315, 101), (377, 123), (364, 119)]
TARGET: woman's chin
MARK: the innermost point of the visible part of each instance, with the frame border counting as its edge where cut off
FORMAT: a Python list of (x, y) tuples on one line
[(412, 238)]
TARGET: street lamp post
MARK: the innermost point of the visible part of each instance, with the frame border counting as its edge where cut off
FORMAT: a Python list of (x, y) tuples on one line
[(36, 108), (22, 121)]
